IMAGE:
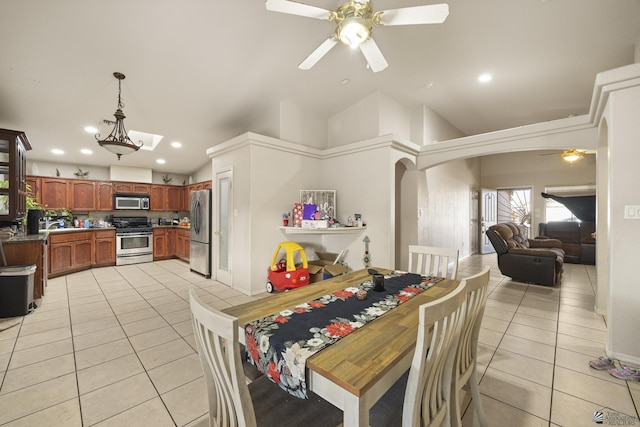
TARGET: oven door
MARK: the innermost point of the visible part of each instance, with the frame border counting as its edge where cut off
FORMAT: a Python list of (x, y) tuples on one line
[(134, 244)]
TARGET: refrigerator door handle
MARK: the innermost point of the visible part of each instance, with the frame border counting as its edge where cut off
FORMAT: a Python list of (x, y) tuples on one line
[(196, 214)]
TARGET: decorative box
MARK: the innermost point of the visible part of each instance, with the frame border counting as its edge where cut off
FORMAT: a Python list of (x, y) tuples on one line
[(315, 224)]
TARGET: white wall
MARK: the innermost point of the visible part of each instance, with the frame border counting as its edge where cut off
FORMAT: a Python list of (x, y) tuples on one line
[(267, 177), (428, 127), (444, 202), (202, 174), (100, 173), (359, 122), (40, 168), (302, 125), (623, 110)]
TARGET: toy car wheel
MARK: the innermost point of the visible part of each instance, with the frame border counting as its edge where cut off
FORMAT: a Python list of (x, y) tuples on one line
[(269, 287)]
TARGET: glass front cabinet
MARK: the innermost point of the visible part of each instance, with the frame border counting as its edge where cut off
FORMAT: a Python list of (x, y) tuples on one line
[(13, 164)]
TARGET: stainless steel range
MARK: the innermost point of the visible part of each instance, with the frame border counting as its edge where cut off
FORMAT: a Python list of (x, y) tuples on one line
[(134, 240)]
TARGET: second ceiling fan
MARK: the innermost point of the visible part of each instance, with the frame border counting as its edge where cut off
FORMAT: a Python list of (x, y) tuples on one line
[(355, 20)]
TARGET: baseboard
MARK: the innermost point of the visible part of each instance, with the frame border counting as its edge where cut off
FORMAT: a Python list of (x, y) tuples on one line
[(623, 358)]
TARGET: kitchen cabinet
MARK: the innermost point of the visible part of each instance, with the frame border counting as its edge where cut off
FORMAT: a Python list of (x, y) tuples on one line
[(165, 244), (105, 248), (70, 252), (104, 196), (174, 198), (82, 196), (27, 250), (186, 199), (160, 244), (182, 243), (13, 188), (33, 182), (55, 193), (171, 242), (131, 188), (158, 197), (186, 195)]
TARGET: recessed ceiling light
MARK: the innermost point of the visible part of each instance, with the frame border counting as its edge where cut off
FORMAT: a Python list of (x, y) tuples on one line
[(161, 161), (176, 144), (90, 129), (344, 82), (485, 78), (86, 151), (57, 151)]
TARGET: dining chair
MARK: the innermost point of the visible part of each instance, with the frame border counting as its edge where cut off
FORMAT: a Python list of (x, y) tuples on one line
[(427, 395), (434, 261), (233, 402), (465, 370)]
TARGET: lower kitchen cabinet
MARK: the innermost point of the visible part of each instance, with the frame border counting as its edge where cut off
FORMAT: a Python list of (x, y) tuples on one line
[(27, 250), (183, 240), (70, 252), (170, 243), (105, 248), (161, 244)]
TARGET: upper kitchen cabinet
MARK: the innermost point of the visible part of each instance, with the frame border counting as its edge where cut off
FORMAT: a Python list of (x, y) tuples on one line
[(158, 197), (104, 196), (131, 187), (82, 196), (174, 198), (33, 187), (55, 193), (13, 186)]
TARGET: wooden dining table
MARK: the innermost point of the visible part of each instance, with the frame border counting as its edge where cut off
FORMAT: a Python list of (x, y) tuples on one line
[(354, 372)]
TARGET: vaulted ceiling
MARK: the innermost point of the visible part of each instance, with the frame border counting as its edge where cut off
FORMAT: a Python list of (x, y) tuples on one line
[(199, 71)]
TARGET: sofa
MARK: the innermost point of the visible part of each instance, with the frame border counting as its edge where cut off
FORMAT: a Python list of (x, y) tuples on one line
[(577, 243), (539, 261)]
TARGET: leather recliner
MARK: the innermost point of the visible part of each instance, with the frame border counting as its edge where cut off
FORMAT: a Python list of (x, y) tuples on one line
[(537, 261)]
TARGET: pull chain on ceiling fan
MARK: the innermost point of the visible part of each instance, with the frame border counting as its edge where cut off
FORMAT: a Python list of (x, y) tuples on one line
[(355, 20)]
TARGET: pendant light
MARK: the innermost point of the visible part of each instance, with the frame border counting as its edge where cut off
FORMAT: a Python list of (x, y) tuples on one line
[(118, 142)]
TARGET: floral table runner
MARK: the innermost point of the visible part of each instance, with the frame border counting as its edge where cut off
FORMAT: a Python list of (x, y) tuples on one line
[(279, 344)]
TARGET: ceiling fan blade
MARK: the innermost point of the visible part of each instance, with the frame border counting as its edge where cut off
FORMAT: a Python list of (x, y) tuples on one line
[(372, 54), (427, 14), (295, 8), (317, 54)]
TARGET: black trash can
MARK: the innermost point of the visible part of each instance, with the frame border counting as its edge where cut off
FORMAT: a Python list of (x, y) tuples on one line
[(16, 290)]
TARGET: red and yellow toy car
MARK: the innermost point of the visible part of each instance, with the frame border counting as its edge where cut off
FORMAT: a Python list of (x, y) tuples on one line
[(284, 274)]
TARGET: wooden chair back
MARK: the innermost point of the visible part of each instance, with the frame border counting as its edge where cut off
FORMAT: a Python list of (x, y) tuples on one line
[(429, 383), (464, 371), (216, 336), (434, 261)]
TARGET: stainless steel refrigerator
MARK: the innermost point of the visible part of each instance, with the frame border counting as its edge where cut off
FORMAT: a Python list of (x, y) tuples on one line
[(200, 248)]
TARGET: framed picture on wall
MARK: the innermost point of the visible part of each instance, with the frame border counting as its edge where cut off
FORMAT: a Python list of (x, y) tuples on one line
[(325, 200)]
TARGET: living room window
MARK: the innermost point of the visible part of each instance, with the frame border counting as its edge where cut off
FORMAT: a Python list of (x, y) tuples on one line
[(556, 211), (514, 205)]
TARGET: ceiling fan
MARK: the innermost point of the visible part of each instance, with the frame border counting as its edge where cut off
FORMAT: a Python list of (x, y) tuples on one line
[(355, 20), (572, 155)]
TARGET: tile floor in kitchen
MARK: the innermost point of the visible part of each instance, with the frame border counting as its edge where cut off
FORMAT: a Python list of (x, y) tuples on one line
[(114, 346)]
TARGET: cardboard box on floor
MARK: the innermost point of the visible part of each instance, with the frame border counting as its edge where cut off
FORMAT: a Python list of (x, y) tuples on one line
[(324, 268)]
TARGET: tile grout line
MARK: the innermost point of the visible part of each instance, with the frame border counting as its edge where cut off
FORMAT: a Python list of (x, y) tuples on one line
[(135, 352)]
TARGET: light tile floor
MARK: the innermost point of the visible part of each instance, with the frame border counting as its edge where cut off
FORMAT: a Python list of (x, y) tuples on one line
[(114, 347)]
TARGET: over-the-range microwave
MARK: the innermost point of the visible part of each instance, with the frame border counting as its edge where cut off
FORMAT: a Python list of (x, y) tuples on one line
[(131, 201)]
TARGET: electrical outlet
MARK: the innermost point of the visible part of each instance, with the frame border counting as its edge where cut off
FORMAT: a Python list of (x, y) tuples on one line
[(632, 212)]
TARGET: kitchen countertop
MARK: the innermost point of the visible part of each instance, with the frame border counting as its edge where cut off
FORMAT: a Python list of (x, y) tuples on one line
[(73, 229), (22, 238), (184, 227)]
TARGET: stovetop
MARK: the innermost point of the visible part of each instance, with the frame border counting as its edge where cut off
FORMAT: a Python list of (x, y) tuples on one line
[(131, 224)]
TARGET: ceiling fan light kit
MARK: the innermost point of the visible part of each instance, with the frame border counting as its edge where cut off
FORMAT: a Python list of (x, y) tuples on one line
[(355, 20), (572, 156)]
